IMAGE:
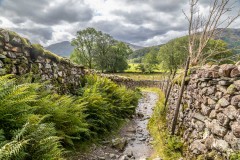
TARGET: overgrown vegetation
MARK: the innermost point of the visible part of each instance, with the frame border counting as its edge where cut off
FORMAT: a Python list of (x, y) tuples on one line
[(38, 49), (165, 146), (235, 156), (39, 124)]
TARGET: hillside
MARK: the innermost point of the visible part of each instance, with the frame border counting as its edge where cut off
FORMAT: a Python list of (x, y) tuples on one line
[(65, 48), (141, 52), (230, 36), (134, 47)]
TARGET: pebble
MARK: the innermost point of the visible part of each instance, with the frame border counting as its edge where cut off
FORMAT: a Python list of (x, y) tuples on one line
[(112, 156), (142, 139), (129, 153)]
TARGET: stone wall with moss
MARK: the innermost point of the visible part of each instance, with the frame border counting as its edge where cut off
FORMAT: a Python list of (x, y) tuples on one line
[(18, 56), (130, 83), (209, 119)]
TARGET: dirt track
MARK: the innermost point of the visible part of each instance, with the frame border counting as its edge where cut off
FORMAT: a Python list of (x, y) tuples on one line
[(133, 140)]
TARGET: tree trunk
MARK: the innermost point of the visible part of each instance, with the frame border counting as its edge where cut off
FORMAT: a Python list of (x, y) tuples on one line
[(174, 123), (169, 90)]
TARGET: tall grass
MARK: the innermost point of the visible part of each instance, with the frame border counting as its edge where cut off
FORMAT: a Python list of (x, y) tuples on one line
[(165, 146)]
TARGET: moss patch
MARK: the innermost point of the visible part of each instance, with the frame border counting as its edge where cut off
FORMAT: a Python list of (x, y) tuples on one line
[(231, 89), (235, 156)]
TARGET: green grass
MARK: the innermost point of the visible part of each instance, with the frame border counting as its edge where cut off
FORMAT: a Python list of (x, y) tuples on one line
[(165, 146), (133, 66), (142, 76)]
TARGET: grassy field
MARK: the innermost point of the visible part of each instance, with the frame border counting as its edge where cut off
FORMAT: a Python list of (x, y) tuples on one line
[(142, 76), (133, 66)]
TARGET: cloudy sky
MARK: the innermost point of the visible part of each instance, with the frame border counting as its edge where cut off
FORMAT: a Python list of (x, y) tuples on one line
[(140, 22)]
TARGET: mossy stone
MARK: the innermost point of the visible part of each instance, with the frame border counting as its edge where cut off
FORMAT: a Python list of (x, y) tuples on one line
[(34, 68), (7, 60), (8, 68), (2, 56), (2, 71), (201, 157), (211, 154), (231, 89)]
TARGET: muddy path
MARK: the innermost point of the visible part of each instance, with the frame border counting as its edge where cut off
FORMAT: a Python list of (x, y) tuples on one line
[(133, 140)]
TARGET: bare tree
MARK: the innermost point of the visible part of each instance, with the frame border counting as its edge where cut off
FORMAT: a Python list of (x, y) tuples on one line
[(202, 28)]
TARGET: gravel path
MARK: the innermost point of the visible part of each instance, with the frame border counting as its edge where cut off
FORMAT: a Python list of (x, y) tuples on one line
[(133, 140)]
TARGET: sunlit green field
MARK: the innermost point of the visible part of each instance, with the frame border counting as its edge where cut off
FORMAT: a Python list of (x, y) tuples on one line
[(133, 68), (142, 76)]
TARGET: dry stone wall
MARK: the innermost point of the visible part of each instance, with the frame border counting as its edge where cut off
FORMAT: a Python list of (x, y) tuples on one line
[(130, 83), (18, 56), (209, 119)]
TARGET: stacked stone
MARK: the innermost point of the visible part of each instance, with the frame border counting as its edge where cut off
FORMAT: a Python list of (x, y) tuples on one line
[(17, 57), (130, 83), (210, 111)]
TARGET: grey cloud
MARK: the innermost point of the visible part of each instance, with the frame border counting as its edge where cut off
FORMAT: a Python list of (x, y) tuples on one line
[(168, 6), (42, 12), (140, 18), (125, 33), (136, 17), (159, 5), (37, 18), (38, 34)]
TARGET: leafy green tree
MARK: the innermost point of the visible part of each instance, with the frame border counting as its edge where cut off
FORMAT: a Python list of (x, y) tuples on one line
[(117, 58), (99, 50), (150, 60), (217, 52), (103, 47), (141, 67), (85, 47), (173, 54)]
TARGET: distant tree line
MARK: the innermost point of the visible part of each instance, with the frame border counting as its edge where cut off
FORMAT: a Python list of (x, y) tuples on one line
[(173, 55), (97, 50)]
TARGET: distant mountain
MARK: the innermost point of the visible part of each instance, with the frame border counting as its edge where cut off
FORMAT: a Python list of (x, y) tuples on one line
[(141, 52), (63, 49), (231, 36), (134, 47)]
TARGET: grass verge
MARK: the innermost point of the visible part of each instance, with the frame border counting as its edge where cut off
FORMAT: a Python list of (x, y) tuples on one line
[(165, 146)]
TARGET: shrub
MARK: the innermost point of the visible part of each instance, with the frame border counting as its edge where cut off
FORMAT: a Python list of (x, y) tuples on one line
[(235, 156), (35, 140), (66, 112), (107, 103), (34, 123), (16, 103)]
